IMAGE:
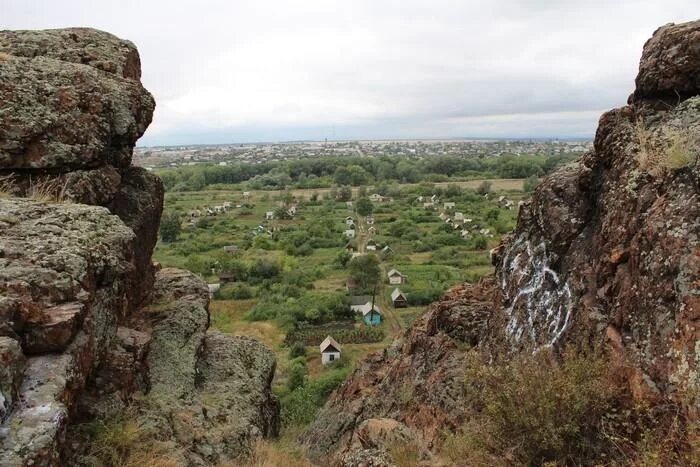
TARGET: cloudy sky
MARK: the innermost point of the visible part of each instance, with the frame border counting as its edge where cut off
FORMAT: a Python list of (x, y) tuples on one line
[(240, 71)]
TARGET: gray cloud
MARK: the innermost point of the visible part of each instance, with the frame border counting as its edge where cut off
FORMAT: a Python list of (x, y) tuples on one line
[(227, 71)]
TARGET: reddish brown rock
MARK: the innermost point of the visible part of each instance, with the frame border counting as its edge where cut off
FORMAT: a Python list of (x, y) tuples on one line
[(53, 329)]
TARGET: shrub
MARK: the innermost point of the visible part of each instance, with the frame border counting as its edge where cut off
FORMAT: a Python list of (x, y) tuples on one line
[(297, 373), (298, 349), (534, 410)]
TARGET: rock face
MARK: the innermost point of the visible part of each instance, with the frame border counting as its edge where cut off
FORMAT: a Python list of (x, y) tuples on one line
[(84, 324), (73, 108), (604, 256), (63, 277)]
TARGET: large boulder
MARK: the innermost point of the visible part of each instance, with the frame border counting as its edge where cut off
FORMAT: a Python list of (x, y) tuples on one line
[(63, 279), (670, 64), (75, 107)]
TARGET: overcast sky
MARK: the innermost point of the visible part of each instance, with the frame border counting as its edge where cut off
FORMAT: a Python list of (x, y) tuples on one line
[(240, 71)]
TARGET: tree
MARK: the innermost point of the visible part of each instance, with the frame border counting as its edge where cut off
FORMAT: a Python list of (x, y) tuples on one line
[(530, 184), (297, 373), (484, 187), (170, 226), (364, 207), (345, 193), (366, 271)]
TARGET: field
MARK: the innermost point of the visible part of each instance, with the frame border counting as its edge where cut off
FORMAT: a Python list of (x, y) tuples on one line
[(281, 260)]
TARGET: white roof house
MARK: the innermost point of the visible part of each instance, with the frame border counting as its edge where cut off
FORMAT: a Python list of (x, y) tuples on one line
[(269, 215), (448, 205), (376, 197), (330, 350), (213, 289), (459, 217), (350, 233), (371, 245), (396, 277)]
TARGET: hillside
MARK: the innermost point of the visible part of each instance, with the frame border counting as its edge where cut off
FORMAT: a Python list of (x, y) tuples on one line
[(583, 346)]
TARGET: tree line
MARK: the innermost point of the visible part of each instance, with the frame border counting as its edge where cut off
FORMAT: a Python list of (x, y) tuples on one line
[(323, 172)]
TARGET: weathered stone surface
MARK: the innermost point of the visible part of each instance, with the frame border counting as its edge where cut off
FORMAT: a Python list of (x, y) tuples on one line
[(139, 203), (84, 46), (53, 328), (63, 272), (210, 392), (62, 114), (670, 64), (12, 363)]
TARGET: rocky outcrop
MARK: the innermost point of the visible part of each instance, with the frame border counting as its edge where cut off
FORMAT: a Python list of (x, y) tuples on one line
[(63, 283), (605, 256), (73, 108), (87, 333)]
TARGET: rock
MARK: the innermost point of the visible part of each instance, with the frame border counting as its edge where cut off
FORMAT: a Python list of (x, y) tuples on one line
[(139, 203), (85, 46), (366, 458), (209, 391), (12, 362), (383, 434), (53, 329), (670, 64), (63, 268), (62, 113)]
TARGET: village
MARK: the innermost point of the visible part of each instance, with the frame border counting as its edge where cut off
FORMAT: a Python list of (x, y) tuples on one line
[(371, 226)]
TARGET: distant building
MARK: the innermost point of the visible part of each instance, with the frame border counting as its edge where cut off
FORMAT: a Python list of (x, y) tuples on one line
[(231, 249), (448, 205), (398, 298), (395, 277), (459, 217), (330, 350), (372, 316), (213, 289), (350, 233), (376, 198), (270, 215), (371, 245)]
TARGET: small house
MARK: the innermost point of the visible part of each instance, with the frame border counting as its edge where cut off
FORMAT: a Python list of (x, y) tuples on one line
[(372, 230), (227, 205), (349, 221), (395, 277), (372, 316), (231, 249), (459, 217), (420, 199), (434, 198), (292, 211), (386, 251), (443, 216), (448, 205), (376, 198), (269, 215), (246, 194), (350, 233), (358, 303), (330, 350), (226, 277), (213, 289), (348, 204), (371, 245), (428, 205), (369, 220), (398, 298)]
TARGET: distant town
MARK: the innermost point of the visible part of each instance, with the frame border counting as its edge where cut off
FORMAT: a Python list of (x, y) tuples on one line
[(255, 153)]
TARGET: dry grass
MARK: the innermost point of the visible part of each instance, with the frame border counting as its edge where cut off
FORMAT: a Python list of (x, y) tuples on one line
[(272, 454), (659, 152), (45, 189)]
